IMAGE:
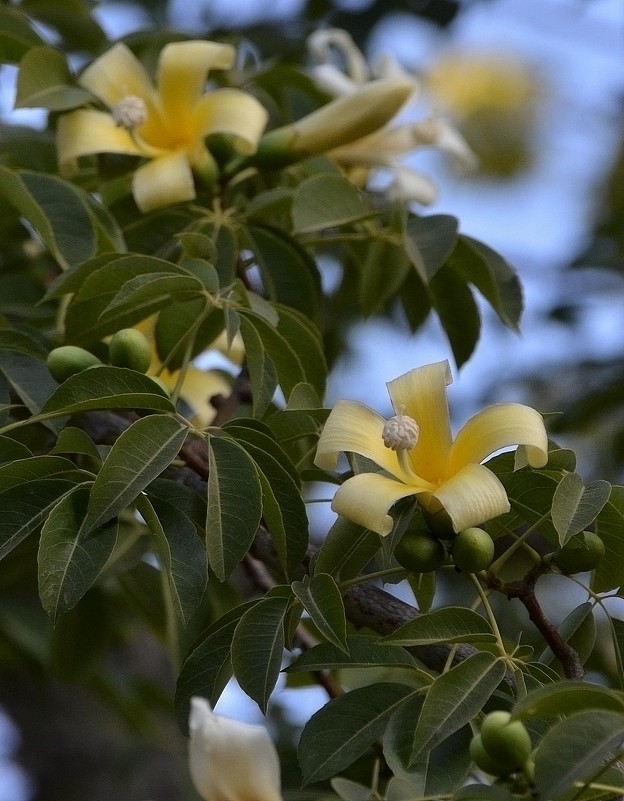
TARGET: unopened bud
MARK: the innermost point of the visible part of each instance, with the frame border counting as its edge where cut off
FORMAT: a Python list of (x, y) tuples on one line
[(130, 112), (400, 433)]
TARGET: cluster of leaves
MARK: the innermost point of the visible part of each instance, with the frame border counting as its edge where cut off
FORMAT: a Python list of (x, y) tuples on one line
[(109, 490)]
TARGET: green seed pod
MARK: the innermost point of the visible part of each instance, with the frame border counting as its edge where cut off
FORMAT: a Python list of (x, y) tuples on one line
[(482, 759), (581, 553), (130, 348), (419, 551), (67, 360), (506, 741), (473, 550)]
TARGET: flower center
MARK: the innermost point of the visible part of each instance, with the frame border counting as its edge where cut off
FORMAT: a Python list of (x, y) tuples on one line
[(400, 433), (130, 112)]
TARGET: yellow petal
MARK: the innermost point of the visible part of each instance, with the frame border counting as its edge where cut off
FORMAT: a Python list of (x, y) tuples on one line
[(472, 496), (164, 180), (85, 132), (498, 427), (182, 71), (354, 428), (410, 185), (421, 394), (367, 498), (198, 388), (230, 111)]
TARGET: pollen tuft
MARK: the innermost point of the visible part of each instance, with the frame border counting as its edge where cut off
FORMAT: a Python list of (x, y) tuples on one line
[(400, 433), (130, 112)]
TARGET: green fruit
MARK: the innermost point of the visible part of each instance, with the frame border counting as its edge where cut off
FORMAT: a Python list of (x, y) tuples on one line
[(473, 550), (130, 348), (482, 759), (581, 553), (68, 360), (507, 742), (419, 551)]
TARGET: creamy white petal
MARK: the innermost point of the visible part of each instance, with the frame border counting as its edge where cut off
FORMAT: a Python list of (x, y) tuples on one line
[(86, 131), (438, 132), (230, 111), (472, 496), (321, 43), (333, 81), (497, 427), (411, 186), (421, 394), (164, 180), (231, 761), (367, 498)]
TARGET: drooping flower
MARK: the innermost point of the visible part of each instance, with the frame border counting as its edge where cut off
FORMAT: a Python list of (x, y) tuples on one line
[(231, 761), (382, 149), (418, 455), (165, 123)]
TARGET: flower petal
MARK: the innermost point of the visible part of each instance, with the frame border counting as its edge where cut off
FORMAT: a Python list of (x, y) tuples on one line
[(231, 761), (230, 111), (498, 427), (421, 394), (198, 387), (117, 74), (472, 496), (411, 186), (320, 44), (354, 428), (85, 132), (367, 498), (164, 180), (182, 71)]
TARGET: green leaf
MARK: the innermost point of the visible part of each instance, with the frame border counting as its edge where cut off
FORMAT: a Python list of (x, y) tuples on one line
[(578, 629), (575, 748), (11, 449), (446, 625), (346, 550), (295, 328), (10, 339), (234, 504), (384, 268), (152, 291), (207, 668), (575, 506), (258, 648), (107, 388), (453, 301), (483, 792), (181, 553), (609, 574), (56, 209), (362, 651), (454, 699), (423, 585), (45, 81), (325, 201), (76, 441), (435, 238), (262, 372), (138, 456), (17, 35), (566, 698), (345, 728), (322, 600), (69, 561), (492, 276), (29, 377)]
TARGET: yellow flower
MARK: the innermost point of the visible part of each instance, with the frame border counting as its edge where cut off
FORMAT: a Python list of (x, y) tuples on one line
[(418, 455), (231, 761), (165, 123), (381, 149)]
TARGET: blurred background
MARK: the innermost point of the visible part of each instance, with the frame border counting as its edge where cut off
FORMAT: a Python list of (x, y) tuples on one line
[(537, 89)]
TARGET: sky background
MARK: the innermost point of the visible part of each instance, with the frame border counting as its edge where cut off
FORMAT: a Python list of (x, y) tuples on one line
[(538, 221)]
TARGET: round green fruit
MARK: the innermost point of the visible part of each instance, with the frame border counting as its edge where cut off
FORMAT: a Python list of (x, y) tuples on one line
[(482, 759), (473, 550), (581, 553), (507, 742), (419, 551), (67, 360), (130, 348)]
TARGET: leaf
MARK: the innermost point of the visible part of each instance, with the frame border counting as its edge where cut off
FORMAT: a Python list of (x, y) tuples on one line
[(322, 600), (362, 651), (454, 699), (384, 268), (11, 449), (234, 504), (346, 550), (258, 648), (29, 377), (566, 698), (578, 629), (76, 441), (575, 506), (435, 238), (452, 299), (262, 372), (449, 624), (138, 456), (295, 328), (207, 669), (107, 388), (342, 730), (327, 200), (69, 561), (574, 749), (56, 209), (181, 553), (609, 574), (44, 81), (152, 291), (17, 35)]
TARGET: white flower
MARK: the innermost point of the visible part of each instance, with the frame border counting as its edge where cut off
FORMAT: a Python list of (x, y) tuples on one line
[(231, 761)]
